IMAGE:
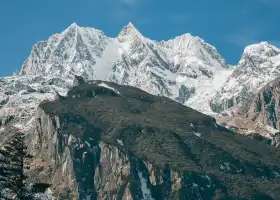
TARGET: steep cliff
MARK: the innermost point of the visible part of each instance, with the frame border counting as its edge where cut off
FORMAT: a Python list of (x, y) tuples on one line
[(260, 115), (106, 141)]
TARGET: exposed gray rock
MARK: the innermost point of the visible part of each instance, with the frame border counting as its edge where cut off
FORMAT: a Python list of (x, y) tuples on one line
[(78, 80)]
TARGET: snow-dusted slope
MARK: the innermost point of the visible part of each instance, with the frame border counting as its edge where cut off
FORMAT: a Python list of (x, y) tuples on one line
[(186, 68), (259, 64), (19, 98)]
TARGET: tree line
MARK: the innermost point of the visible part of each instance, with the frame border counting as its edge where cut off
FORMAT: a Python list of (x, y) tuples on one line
[(13, 165)]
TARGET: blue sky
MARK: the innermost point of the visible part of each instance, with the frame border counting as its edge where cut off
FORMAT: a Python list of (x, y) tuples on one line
[(229, 25)]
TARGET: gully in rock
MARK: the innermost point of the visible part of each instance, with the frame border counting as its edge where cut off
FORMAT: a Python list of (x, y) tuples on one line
[(86, 155), (59, 141), (271, 112)]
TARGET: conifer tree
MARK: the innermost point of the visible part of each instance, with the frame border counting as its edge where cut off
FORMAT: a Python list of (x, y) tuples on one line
[(12, 168)]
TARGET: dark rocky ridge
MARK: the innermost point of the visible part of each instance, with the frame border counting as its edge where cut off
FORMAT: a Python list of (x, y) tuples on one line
[(140, 146)]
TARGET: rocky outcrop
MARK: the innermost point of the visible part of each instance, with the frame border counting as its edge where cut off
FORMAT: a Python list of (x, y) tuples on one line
[(106, 141)]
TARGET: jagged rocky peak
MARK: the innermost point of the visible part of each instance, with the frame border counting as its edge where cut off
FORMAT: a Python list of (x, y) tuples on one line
[(185, 44), (259, 58), (82, 30), (74, 51), (74, 25), (129, 32), (195, 49), (72, 29)]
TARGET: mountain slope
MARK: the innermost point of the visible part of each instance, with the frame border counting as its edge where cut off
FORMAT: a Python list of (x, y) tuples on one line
[(142, 146)]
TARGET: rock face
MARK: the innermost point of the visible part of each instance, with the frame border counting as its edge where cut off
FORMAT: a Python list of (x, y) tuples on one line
[(261, 114), (106, 141)]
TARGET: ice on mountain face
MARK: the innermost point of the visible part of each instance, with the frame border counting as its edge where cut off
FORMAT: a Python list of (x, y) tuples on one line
[(197, 66), (103, 68), (220, 78)]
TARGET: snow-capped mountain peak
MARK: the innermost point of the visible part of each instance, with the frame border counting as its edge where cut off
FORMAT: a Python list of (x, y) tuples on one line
[(259, 64), (72, 26), (74, 51), (184, 44), (262, 49), (129, 32), (185, 68), (195, 50)]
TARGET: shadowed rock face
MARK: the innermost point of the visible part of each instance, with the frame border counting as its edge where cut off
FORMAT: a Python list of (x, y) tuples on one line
[(106, 141), (78, 80), (86, 157)]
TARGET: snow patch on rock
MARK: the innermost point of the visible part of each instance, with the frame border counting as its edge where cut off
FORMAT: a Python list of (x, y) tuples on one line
[(120, 142), (197, 134), (144, 188), (111, 88)]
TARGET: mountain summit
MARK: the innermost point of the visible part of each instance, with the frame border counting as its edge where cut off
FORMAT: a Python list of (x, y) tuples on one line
[(129, 31), (184, 68)]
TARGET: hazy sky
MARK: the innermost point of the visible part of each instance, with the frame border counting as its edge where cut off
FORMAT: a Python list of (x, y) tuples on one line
[(229, 25)]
